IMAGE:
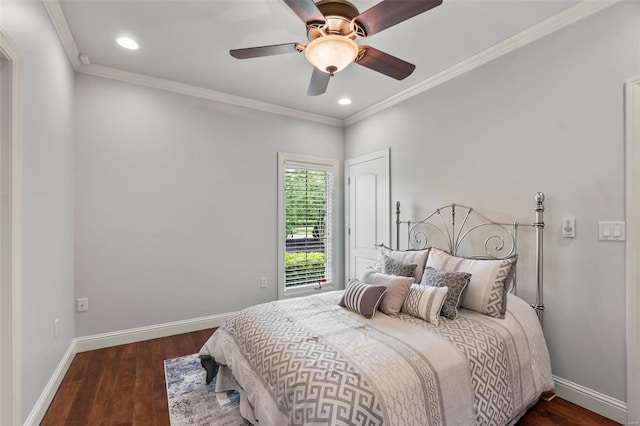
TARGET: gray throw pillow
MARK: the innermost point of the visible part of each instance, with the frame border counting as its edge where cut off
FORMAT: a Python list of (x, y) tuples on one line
[(362, 298), (456, 281), (397, 267)]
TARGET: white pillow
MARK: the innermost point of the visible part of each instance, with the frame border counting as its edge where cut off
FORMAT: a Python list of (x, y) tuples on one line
[(425, 302), (419, 257), (489, 283), (398, 288)]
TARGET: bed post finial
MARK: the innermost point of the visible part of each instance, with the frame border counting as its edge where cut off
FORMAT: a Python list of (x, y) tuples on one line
[(539, 225)]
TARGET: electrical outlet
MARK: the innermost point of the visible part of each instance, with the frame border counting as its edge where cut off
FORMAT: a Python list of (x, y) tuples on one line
[(55, 328), (263, 282), (83, 304)]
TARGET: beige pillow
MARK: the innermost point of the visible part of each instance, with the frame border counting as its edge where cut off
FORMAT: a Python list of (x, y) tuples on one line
[(425, 302), (397, 290), (489, 283), (419, 257)]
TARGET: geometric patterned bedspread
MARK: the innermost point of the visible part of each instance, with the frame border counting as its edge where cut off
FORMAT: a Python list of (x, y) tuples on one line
[(309, 361)]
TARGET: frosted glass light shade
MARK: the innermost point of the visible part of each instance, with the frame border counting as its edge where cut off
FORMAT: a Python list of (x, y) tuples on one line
[(331, 53)]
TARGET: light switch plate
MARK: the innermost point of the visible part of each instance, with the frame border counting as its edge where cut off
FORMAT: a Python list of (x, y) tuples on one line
[(612, 231)]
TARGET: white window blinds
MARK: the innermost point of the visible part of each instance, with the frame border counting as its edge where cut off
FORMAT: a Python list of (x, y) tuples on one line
[(308, 222)]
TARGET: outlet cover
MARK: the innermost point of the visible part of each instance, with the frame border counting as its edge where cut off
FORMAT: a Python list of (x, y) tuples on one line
[(83, 304)]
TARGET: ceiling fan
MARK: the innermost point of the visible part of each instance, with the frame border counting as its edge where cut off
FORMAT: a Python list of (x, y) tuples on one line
[(332, 26)]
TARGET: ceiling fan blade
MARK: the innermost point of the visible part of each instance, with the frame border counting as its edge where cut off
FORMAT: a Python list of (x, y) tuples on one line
[(388, 13), (384, 63), (319, 82), (306, 10), (274, 49)]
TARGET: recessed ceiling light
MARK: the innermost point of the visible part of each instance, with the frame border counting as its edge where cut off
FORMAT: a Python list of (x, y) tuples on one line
[(127, 43), (344, 101)]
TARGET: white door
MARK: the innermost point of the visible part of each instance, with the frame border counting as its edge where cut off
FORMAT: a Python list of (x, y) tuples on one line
[(368, 210)]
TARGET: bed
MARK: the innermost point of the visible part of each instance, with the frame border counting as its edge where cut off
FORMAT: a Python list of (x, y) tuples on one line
[(309, 360)]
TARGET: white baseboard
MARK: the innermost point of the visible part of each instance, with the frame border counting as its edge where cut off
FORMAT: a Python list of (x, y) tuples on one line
[(42, 404), (597, 402), (122, 337)]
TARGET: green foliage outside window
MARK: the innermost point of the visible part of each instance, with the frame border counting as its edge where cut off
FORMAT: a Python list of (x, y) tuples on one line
[(305, 202), (304, 268)]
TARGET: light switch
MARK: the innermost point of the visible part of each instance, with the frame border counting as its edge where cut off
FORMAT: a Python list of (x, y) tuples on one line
[(616, 231), (612, 231)]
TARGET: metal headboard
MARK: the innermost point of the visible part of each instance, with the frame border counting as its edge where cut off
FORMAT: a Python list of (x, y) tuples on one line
[(475, 236)]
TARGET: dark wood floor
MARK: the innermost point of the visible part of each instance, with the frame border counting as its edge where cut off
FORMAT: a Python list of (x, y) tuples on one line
[(124, 385)]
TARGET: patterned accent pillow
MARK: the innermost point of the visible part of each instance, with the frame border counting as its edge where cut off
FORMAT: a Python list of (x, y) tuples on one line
[(456, 281), (398, 288), (362, 298), (419, 257), (489, 283), (397, 267), (425, 302)]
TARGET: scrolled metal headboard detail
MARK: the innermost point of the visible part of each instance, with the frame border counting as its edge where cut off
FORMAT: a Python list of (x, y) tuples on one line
[(462, 231)]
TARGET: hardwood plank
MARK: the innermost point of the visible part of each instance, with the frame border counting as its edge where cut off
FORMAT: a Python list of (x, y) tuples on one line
[(59, 410), (125, 385), (143, 402), (86, 399), (106, 387), (560, 412), (125, 381)]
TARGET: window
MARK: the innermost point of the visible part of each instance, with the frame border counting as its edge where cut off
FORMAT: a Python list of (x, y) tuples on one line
[(306, 189)]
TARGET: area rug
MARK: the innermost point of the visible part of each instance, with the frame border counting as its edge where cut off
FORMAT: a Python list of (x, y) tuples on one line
[(192, 402)]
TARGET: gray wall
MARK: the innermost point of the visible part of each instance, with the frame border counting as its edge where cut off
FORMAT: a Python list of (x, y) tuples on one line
[(547, 117), (176, 203), (47, 194)]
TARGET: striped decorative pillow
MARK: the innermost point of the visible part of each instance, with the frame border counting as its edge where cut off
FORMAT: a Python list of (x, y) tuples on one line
[(489, 283), (425, 302), (362, 298)]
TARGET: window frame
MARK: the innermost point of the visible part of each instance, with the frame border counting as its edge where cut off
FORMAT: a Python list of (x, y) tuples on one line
[(313, 163)]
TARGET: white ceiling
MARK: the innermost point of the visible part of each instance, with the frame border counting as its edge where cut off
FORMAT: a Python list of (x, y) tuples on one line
[(188, 41)]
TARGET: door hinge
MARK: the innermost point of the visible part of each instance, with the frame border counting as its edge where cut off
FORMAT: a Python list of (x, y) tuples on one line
[(349, 231), (348, 181)]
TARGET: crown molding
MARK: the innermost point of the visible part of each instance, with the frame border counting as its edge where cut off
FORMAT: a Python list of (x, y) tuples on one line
[(200, 92), (561, 20), (64, 33), (61, 26)]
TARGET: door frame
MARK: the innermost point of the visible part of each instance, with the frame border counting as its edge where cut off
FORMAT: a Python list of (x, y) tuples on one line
[(383, 153), (632, 188), (10, 406)]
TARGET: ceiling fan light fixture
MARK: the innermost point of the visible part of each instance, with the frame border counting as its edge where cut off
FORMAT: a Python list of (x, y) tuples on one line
[(331, 53)]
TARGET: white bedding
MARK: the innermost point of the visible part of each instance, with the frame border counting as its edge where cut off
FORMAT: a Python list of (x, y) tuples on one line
[(309, 361)]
